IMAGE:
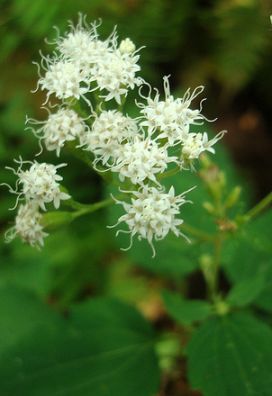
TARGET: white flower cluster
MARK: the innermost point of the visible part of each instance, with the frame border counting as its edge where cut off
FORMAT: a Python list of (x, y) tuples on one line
[(28, 225), (151, 214), (63, 126), (85, 68), (83, 62), (37, 186)]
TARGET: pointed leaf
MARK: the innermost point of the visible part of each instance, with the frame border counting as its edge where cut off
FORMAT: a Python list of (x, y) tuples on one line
[(245, 292), (185, 312)]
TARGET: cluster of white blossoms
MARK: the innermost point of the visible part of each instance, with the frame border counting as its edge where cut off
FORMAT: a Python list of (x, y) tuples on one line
[(87, 72), (152, 214), (36, 186), (63, 126), (28, 225), (109, 130)]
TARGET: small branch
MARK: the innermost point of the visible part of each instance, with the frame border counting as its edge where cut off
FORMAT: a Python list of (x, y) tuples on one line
[(257, 209), (86, 209), (169, 173)]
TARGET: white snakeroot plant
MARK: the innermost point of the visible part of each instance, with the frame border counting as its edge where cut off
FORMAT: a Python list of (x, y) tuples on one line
[(139, 149)]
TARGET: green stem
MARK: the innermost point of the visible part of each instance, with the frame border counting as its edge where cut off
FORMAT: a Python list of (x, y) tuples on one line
[(257, 209), (86, 209), (169, 173), (213, 284)]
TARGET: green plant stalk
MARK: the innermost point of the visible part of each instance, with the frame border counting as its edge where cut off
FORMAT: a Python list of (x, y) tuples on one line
[(257, 209), (169, 173), (86, 209), (213, 284)]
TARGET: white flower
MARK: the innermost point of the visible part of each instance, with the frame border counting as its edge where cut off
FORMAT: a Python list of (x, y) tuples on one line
[(116, 74), (152, 214), (109, 130), (81, 44), (40, 183), (60, 127), (141, 159), (28, 225), (170, 118), (197, 143), (64, 79)]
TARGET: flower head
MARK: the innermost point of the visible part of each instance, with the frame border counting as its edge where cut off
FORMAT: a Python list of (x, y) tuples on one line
[(60, 127), (140, 159), (152, 214), (81, 44), (109, 130), (170, 118), (195, 144), (40, 184), (115, 73), (64, 79), (28, 225)]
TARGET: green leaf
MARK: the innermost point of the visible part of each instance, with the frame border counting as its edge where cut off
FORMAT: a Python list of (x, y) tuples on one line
[(248, 257), (231, 356), (185, 312), (247, 291), (103, 348), (21, 315)]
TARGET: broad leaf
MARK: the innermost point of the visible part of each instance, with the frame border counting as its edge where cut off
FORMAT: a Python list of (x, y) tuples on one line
[(245, 292), (104, 348), (231, 356), (183, 311)]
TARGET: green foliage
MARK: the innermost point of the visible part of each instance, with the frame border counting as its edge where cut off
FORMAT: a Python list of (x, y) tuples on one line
[(103, 348), (238, 54), (186, 312), (247, 261), (245, 292), (231, 356)]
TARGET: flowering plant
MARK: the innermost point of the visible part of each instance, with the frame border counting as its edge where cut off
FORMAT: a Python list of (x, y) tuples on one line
[(84, 68), (140, 152)]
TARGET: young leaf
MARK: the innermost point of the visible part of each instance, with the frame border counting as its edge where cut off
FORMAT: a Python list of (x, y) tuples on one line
[(185, 312), (231, 356), (245, 292), (104, 348)]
